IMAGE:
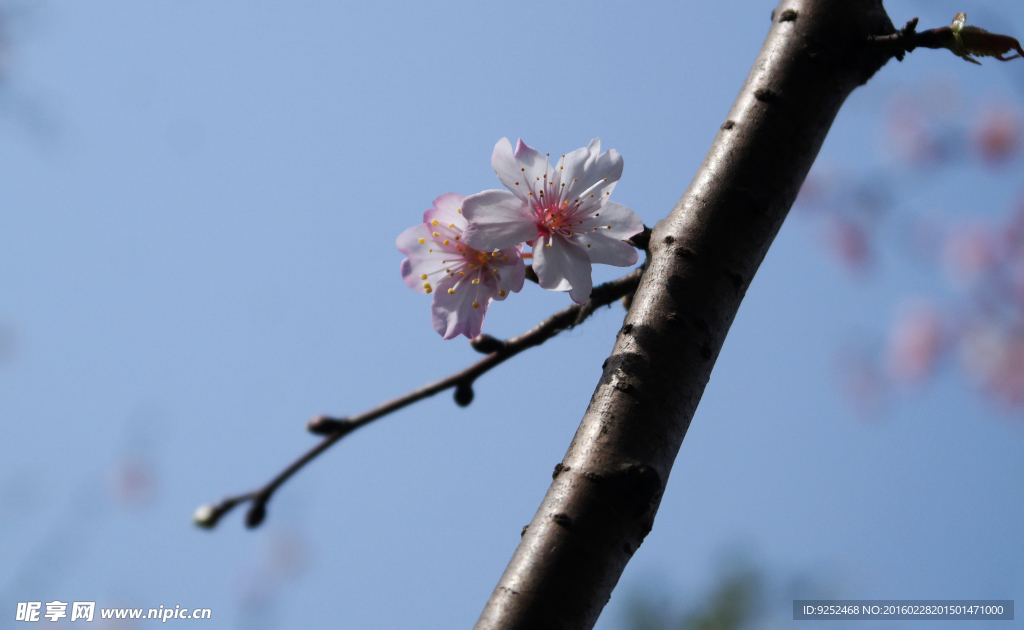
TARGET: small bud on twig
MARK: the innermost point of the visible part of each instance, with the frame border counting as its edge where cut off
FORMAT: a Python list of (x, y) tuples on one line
[(206, 516), (463, 394), (486, 344), (325, 425), (256, 514), (641, 240), (531, 275)]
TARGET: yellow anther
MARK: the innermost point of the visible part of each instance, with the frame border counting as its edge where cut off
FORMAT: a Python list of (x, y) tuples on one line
[(607, 193), (517, 183), (573, 179), (523, 169), (548, 245), (423, 276), (459, 210), (475, 281), (476, 304), (436, 234), (422, 241), (457, 237), (445, 241), (529, 194), (605, 179), (426, 285), (431, 251), (451, 225), (434, 222), (502, 293), (451, 291), (428, 290), (461, 273), (506, 258)]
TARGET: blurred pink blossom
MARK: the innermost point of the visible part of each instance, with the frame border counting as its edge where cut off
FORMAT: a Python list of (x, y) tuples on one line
[(994, 356), (997, 138), (970, 253), (850, 243), (134, 481), (916, 341)]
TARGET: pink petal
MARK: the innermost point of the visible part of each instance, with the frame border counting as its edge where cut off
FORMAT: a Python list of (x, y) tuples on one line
[(563, 266), (446, 211), (497, 219), (512, 274), (452, 314), (421, 260)]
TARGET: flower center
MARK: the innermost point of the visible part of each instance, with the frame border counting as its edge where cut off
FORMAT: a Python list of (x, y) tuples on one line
[(556, 219)]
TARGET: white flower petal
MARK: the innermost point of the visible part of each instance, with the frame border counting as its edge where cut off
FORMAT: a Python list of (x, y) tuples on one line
[(588, 172), (497, 219), (563, 265), (612, 220), (522, 172), (603, 250)]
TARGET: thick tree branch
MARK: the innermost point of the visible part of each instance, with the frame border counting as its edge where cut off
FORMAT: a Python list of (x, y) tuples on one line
[(703, 257), (497, 351)]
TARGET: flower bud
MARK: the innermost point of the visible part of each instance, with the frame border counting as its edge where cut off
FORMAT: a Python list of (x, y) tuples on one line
[(486, 344), (463, 394), (206, 516), (256, 514)]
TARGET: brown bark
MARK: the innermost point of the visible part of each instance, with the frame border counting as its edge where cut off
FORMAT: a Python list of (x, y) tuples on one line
[(703, 256)]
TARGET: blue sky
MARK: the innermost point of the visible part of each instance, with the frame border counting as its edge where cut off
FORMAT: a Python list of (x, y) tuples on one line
[(197, 223)]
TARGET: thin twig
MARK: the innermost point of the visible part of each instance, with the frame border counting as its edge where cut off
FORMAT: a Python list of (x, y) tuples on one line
[(498, 351), (964, 41)]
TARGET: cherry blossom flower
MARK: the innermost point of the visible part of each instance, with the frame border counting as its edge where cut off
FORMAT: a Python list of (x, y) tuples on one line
[(462, 279), (563, 213)]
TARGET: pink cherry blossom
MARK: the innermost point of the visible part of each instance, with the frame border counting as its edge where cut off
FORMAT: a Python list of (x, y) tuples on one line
[(463, 280), (563, 212)]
